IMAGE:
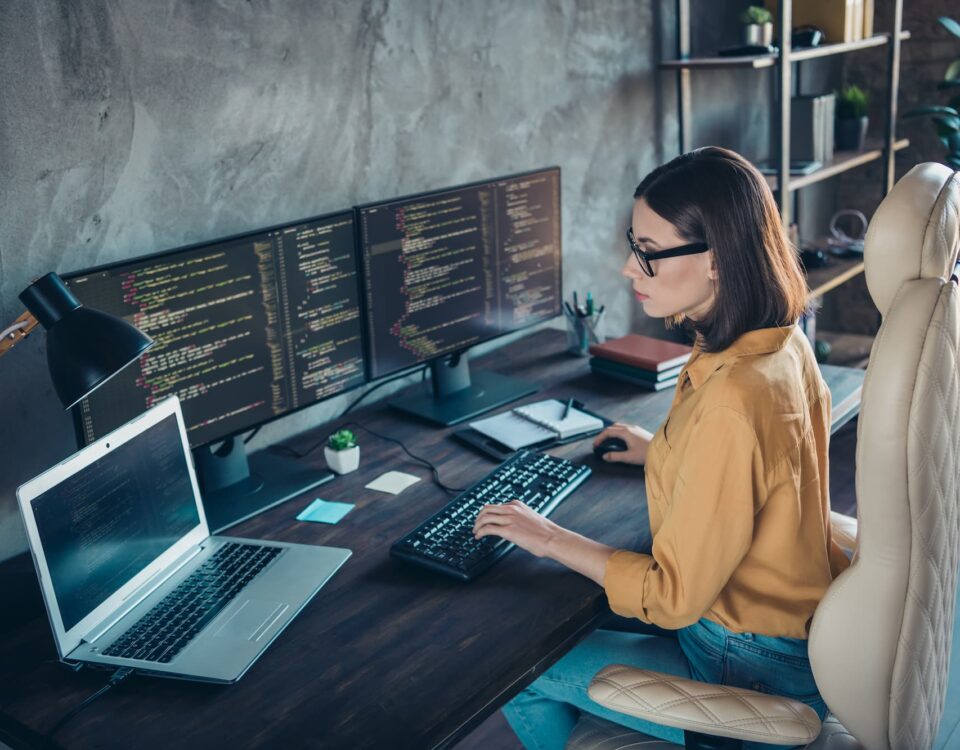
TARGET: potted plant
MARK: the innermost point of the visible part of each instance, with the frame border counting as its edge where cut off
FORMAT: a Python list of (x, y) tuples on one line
[(946, 118), (758, 26), (342, 452), (852, 121)]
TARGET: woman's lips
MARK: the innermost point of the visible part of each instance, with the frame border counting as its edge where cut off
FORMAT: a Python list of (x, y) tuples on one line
[(641, 297)]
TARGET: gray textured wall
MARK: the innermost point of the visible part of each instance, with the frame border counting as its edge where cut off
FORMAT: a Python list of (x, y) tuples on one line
[(132, 127)]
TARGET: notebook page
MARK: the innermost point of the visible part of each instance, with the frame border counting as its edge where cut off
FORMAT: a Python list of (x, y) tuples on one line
[(512, 430), (549, 414)]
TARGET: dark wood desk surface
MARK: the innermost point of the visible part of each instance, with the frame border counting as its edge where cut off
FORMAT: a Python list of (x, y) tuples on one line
[(386, 655)]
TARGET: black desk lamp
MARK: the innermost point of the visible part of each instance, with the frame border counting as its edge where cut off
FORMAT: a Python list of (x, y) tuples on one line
[(85, 348)]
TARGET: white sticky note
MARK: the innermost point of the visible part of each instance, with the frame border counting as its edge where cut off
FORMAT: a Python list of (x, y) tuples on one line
[(393, 482)]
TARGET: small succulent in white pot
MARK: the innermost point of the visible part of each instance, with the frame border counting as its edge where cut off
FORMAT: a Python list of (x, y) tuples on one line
[(342, 452)]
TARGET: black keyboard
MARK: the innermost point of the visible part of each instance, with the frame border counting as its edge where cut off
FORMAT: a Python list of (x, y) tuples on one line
[(169, 626), (445, 541)]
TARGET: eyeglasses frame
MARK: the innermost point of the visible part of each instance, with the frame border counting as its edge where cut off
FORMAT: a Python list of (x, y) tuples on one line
[(644, 258)]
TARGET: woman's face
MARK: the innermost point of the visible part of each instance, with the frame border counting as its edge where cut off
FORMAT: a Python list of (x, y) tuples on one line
[(678, 285)]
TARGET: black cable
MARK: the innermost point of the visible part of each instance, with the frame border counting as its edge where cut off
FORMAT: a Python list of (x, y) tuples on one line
[(252, 435), (115, 679), (288, 451), (415, 457), (382, 382), (425, 462)]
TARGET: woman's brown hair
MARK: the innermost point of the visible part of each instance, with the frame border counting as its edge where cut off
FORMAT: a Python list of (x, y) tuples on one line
[(715, 196)]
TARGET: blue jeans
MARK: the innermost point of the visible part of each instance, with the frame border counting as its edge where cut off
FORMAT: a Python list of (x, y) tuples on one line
[(544, 714)]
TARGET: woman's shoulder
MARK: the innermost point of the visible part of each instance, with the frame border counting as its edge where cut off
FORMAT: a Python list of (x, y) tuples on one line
[(771, 391)]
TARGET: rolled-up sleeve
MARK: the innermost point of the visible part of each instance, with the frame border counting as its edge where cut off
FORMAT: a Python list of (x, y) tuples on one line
[(707, 528)]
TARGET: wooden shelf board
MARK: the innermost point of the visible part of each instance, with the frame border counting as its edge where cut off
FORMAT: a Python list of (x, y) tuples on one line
[(842, 161), (694, 63), (766, 61), (842, 48), (822, 280)]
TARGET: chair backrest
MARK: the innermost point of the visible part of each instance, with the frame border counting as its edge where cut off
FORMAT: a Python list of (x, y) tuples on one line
[(880, 639)]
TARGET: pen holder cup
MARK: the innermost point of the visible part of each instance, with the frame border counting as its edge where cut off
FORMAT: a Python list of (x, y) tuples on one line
[(582, 331)]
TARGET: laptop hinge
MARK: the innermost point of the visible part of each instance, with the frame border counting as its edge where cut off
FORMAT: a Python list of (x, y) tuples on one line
[(139, 594)]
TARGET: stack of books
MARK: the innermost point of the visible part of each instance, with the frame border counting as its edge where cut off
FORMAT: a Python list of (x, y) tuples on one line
[(650, 363)]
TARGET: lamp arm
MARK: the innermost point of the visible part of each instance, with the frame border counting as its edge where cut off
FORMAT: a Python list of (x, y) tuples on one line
[(20, 329)]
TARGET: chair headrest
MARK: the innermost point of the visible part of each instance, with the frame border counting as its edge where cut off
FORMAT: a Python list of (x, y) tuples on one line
[(915, 233)]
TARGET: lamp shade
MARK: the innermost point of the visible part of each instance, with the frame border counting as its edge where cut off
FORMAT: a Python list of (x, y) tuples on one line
[(85, 348)]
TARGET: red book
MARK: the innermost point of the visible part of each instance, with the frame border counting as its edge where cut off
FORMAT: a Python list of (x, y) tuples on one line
[(643, 352)]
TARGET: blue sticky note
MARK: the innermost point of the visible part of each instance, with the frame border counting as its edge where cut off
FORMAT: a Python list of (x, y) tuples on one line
[(324, 511)]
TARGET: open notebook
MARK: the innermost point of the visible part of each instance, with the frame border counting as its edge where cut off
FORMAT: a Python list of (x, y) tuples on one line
[(537, 423)]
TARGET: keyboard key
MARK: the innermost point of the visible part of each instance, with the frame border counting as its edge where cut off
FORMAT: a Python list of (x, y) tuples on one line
[(445, 543), (173, 622)]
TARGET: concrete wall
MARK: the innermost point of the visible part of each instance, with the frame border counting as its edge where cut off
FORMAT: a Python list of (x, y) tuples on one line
[(132, 127)]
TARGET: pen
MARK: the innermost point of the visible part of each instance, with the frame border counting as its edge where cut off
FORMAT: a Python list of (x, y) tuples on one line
[(568, 308), (576, 302), (589, 303), (566, 409)]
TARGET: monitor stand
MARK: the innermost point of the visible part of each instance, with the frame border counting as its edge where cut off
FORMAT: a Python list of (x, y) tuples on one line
[(235, 487), (459, 395)]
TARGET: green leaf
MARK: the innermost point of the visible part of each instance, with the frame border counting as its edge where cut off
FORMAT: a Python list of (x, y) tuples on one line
[(955, 103), (953, 70), (931, 110), (950, 25), (944, 85), (946, 124)]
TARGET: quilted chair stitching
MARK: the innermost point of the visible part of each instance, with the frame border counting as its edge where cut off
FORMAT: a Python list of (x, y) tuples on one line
[(697, 700), (744, 725), (747, 725), (939, 227), (931, 645)]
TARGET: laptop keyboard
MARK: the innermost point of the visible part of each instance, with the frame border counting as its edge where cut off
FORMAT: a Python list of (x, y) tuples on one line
[(167, 628)]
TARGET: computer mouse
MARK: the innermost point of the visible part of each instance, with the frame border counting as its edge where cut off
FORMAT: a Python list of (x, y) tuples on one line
[(609, 444)]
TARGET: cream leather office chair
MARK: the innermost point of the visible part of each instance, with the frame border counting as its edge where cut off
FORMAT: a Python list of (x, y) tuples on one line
[(880, 639)]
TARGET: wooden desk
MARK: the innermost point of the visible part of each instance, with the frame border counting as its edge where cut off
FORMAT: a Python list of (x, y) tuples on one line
[(386, 655)]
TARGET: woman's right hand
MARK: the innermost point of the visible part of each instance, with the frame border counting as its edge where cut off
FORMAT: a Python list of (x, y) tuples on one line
[(636, 438)]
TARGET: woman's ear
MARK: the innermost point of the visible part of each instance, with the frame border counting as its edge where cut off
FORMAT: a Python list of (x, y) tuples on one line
[(712, 272)]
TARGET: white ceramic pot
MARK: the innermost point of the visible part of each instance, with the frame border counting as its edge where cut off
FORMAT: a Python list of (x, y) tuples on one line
[(342, 462)]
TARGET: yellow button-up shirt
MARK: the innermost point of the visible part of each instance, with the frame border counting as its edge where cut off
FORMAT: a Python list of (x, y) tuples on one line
[(738, 495)]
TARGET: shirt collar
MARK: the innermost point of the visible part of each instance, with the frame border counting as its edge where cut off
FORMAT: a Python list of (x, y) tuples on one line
[(702, 365)]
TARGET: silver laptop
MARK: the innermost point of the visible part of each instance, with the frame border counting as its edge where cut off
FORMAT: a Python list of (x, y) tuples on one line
[(132, 578)]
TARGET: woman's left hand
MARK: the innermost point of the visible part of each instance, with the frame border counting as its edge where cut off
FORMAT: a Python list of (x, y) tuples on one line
[(516, 523)]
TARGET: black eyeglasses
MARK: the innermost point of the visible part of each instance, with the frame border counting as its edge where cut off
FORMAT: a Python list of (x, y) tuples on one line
[(644, 258)]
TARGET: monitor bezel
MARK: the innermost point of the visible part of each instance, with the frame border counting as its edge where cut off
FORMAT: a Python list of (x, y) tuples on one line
[(365, 312), (365, 380)]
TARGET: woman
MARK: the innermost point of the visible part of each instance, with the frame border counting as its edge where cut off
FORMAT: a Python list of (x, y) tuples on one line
[(736, 478)]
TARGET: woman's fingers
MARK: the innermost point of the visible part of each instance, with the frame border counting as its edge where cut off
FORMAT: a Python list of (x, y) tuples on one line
[(498, 515), (615, 430)]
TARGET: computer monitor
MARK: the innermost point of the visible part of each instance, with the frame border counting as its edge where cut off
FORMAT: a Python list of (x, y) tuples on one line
[(247, 329), (446, 270)]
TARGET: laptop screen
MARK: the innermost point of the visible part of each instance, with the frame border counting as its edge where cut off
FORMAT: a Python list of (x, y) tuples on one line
[(110, 520)]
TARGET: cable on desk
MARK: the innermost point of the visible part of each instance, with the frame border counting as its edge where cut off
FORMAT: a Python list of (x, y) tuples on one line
[(115, 679), (425, 462), (286, 450)]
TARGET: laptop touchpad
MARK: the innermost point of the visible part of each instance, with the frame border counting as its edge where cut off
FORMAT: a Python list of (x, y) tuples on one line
[(252, 620)]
